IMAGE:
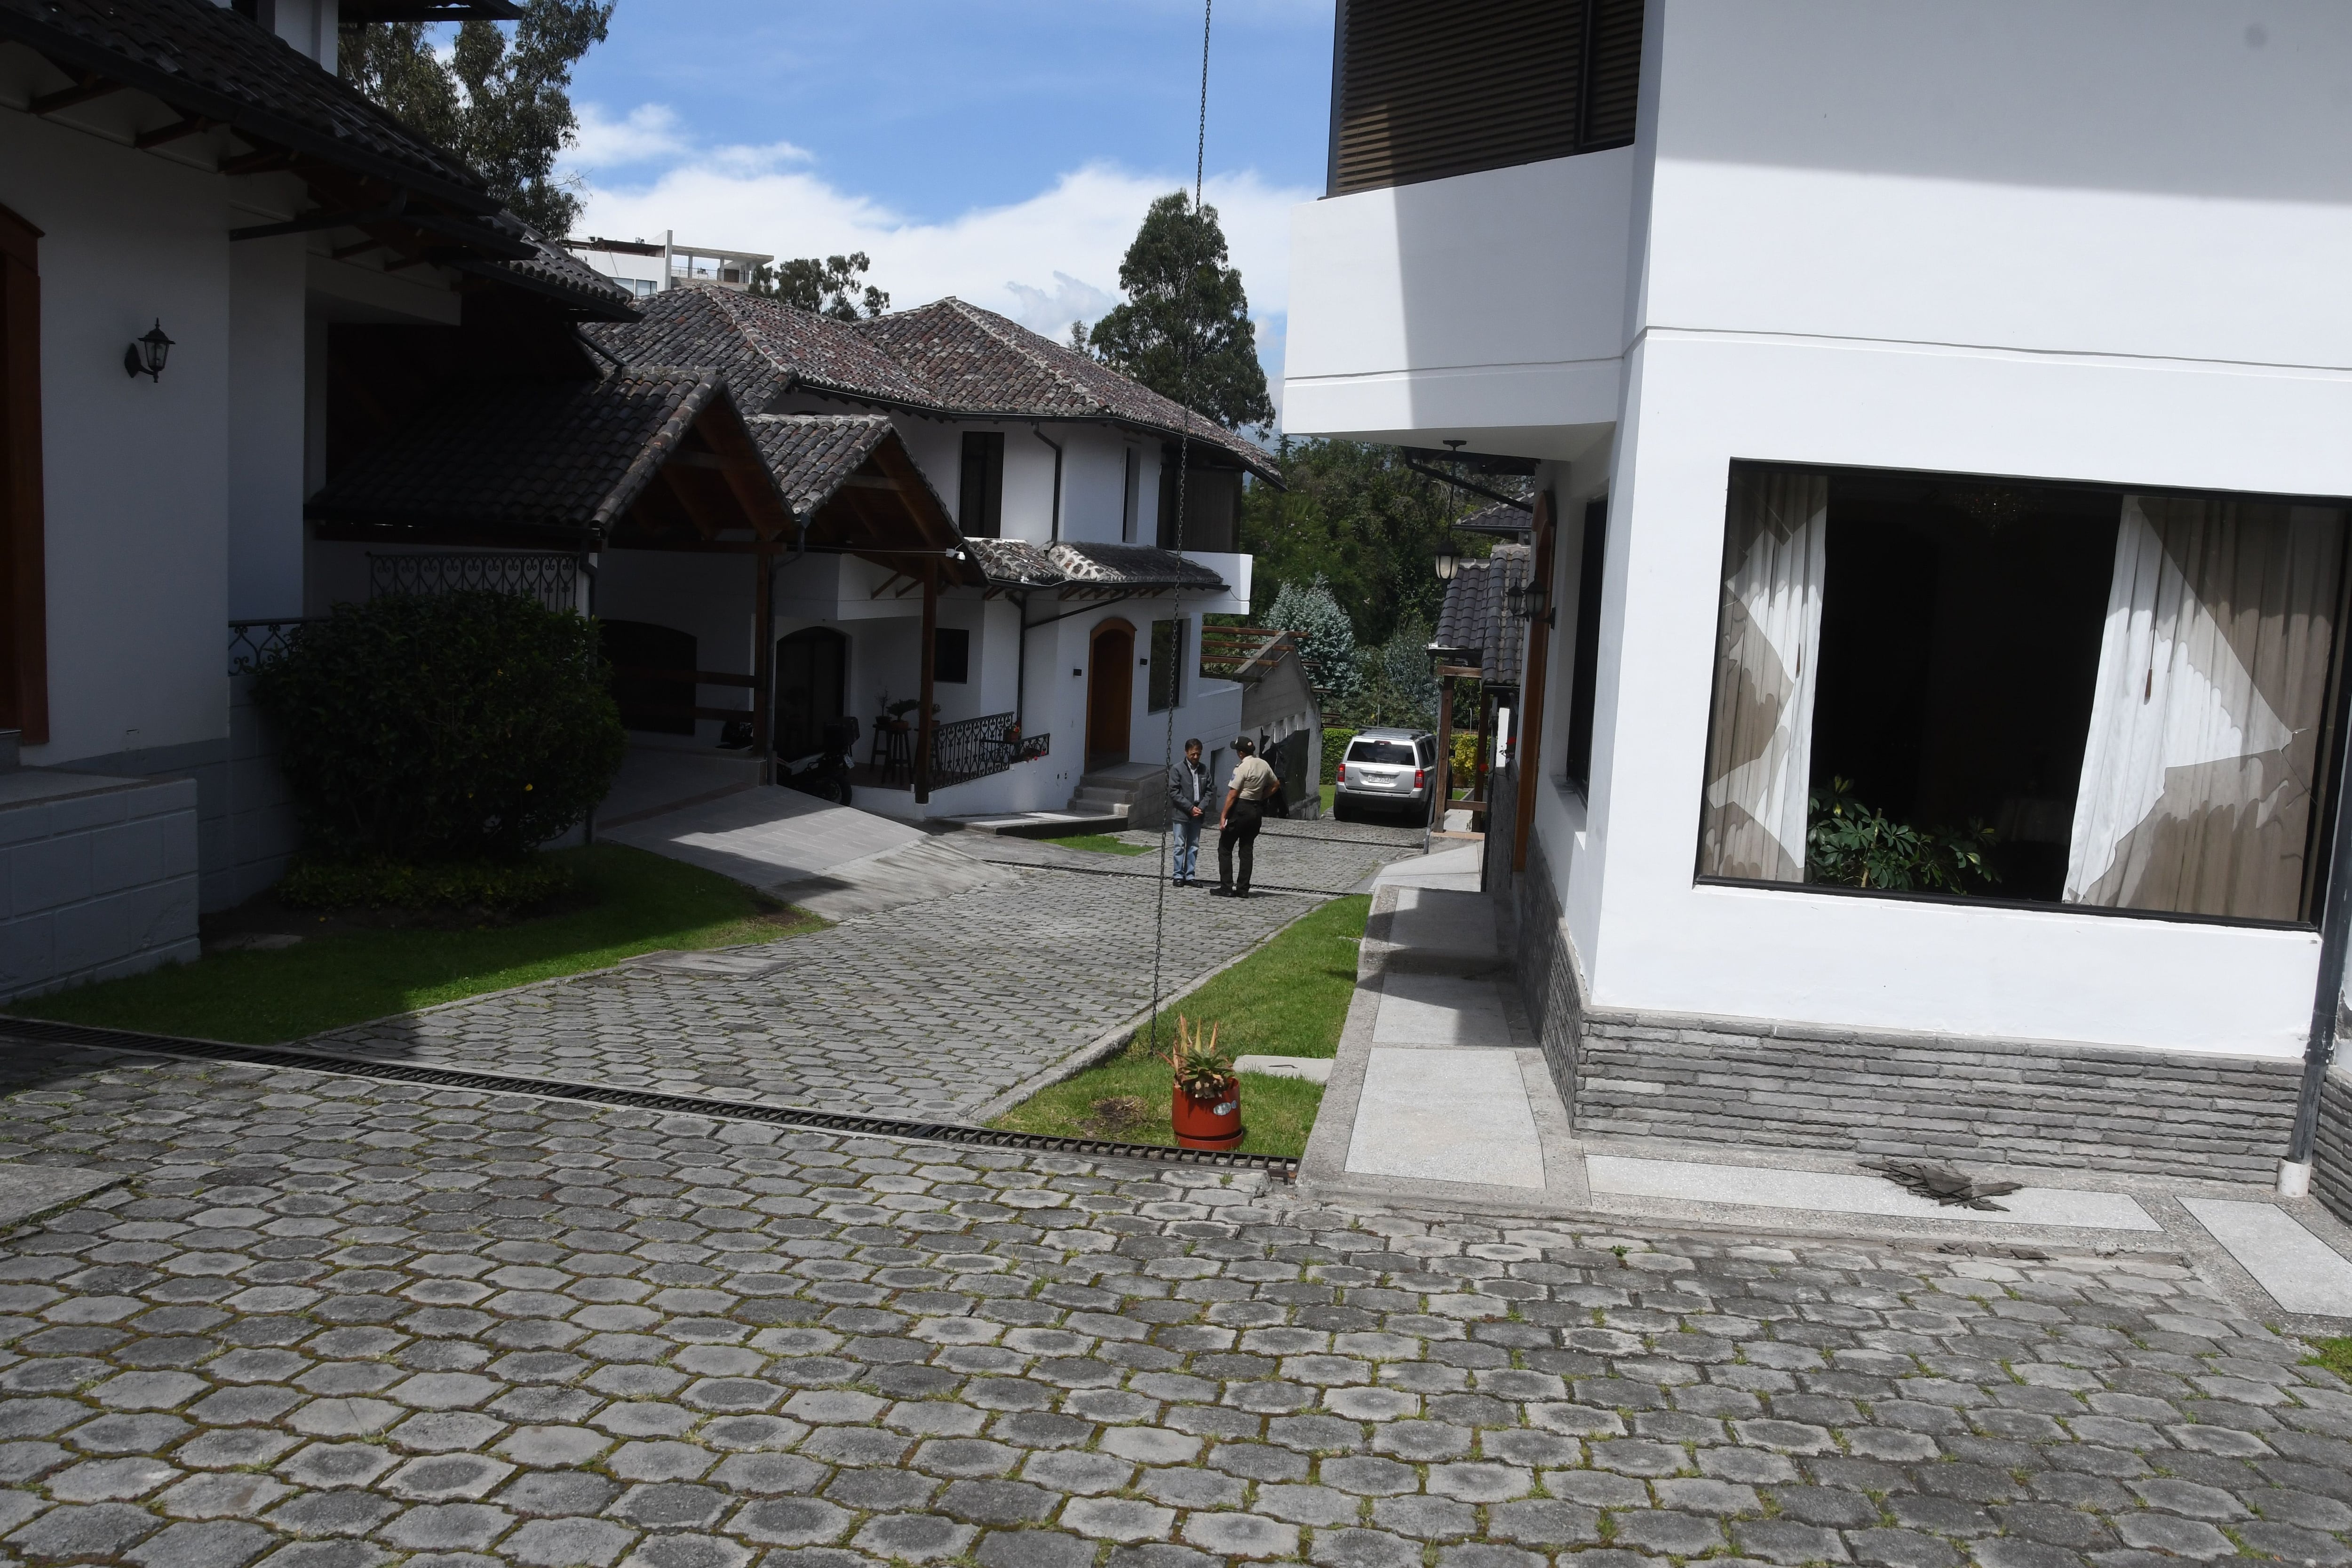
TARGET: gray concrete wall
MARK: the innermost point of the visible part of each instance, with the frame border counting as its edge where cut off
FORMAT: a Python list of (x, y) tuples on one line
[(100, 877), (2331, 1175), (1760, 1082)]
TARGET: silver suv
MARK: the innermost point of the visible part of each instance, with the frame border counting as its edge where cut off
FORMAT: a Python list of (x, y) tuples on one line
[(1393, 771)]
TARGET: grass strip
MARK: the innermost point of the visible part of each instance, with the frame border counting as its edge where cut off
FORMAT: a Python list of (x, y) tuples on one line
[(1289, 998), (2335, 1355), (1100, 843), (636, 902)]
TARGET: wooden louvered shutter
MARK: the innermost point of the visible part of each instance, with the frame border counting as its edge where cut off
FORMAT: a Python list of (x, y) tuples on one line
[(1427, 88)]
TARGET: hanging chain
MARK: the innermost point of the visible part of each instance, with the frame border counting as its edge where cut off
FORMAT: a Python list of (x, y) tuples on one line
[(1183, 472)]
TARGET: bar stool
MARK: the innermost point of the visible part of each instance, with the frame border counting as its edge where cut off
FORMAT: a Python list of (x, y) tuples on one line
[(899, 760)]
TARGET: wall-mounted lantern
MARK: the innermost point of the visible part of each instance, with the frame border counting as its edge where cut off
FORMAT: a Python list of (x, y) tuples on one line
[(147, 352), (1528, 601)]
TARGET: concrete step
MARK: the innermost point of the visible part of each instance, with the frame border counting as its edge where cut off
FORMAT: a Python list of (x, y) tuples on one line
[(1040, 824), (1130, 790)]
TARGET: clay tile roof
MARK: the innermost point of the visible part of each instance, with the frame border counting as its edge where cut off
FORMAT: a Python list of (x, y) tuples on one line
[(762, 348), (554, 271), (812, 455), (1015, 562), (979, 363), (1129, 566), (205, 60), (1473, 615), (565, 456)]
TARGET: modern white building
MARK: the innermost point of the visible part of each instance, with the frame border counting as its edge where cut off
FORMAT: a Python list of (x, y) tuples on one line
[(196, 174), (1950, 401)]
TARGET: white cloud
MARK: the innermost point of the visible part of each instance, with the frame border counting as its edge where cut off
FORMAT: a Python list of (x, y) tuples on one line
[(601, 141), (1046, 261)]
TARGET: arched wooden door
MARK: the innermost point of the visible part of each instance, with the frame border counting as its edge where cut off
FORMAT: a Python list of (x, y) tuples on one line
[(812, 689), (1111, 692)]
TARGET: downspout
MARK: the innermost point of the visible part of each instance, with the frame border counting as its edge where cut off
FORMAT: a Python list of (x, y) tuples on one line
[(2335, 936), (1021, 665), (1041, 435)]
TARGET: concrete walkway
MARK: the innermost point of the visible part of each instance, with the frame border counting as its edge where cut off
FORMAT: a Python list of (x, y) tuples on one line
[(1440, 1097)]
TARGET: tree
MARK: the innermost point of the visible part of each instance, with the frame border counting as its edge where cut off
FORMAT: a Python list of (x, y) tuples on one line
[(1352, 513), (1400, 686), (1327, 643), (835, 287), (498, 100), (1185, 329)]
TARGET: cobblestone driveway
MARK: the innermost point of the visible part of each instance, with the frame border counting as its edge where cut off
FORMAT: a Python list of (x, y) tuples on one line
[(930, 1010), (332, 1324)]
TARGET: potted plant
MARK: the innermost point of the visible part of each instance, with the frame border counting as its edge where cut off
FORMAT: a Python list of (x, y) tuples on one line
[(1204, 1107), (895, 713)]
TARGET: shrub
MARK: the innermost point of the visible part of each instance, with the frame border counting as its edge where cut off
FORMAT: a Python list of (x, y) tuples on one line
[(502, 887), (1335, 749), (458, 727)]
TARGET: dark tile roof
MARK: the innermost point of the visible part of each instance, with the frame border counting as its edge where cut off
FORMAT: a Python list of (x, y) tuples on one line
[(947, 358), (558, 456), (554, 271), (979, 363), (205, 60), (812, 455), (1473, 616), (1497, 518), (1015, 562)]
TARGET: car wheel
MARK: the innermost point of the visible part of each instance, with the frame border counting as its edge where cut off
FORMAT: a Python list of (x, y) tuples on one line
[(1342, 809)]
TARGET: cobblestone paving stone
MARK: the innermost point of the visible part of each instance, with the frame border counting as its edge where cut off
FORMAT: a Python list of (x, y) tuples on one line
[(336, 1324), (1298, 857), (928, 1011)]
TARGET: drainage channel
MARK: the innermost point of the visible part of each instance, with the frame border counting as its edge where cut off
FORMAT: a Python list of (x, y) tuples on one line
[(47, 1033)]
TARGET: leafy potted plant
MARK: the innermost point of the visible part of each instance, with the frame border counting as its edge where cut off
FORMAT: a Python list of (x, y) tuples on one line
[(1205, 1106), (896, 712)]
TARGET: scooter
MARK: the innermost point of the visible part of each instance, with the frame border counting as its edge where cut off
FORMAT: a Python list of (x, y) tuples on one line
[(826, 774)]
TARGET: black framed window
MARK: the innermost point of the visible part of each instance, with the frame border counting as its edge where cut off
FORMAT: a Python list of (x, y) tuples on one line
[(980, 508), (950, 656), (1584, 681), (2113, 699), (1167, 684)]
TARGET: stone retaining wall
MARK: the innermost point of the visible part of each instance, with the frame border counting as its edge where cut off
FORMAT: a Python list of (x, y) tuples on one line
[(1768, 1083), (2331, 1175)]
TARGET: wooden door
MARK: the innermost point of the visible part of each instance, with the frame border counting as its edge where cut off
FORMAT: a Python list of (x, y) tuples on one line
[(1111, 692)]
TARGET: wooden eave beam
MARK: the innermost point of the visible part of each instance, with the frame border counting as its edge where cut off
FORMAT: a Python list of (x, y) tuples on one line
[(194, 125), (90, 86), (737, 458), (681, 490)]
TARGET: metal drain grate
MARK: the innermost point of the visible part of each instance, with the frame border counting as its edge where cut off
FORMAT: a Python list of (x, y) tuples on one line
[(47, 1033)]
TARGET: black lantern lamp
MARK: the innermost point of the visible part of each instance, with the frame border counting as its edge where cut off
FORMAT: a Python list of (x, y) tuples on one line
[(147, 352), (1528, 601), (1448, 559)]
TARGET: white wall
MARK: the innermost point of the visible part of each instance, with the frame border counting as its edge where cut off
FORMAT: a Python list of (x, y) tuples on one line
[(1490, 305), (136, 471)]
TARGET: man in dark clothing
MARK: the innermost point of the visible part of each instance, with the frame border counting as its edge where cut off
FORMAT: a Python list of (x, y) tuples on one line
[(1188, 806), (1238, 823)]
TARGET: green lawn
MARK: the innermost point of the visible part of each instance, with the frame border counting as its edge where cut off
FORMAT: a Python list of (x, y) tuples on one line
[(1101, 844), (640, 903), (1289, 998), (1328, 791), (2335, 1355)]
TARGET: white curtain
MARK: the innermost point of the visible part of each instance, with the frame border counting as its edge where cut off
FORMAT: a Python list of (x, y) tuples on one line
[(1759, 745), (2211, 697)]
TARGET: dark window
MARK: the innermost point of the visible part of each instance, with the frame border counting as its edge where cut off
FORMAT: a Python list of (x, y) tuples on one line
[(1578, 763), (812, 689), (1213, 500), (981, 511), (2109, 699), (653, 675), (24, 624), (950, 656), (1167, 664), (1132, 497), (1422, 91), (1390, 754)]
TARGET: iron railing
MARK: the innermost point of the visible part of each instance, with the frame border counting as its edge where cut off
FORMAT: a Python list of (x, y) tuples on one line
[(553, 580), (254, 642), (975, 748)]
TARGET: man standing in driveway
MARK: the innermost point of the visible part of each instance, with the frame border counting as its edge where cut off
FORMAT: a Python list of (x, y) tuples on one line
[(1237, 824), (1188, 806)]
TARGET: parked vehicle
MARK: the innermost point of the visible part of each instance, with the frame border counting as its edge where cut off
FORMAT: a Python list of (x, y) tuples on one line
[(1390, 772), (826, 774)]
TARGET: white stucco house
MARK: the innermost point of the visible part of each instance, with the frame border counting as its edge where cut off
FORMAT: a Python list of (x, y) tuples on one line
[(175, 169), (1943, 404)]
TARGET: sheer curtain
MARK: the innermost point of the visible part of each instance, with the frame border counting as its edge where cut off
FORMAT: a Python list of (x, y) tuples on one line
[(2214, 671), (1759, 745)]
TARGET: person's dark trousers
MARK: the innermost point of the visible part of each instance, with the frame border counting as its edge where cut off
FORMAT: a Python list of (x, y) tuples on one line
[(1240, 831)]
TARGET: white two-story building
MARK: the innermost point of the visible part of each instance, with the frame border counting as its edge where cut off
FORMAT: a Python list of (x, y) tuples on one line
[(1944, 407)]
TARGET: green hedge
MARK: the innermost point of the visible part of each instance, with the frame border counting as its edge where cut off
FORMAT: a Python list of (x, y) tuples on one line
[(1335, 746), (502, 887), (451, 728)]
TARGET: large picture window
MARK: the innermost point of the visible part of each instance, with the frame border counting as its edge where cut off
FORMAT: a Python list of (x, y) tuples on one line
[(2060, 694)]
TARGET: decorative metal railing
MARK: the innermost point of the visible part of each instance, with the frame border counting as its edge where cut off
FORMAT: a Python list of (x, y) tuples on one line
[(252, 643), (553, 580), (975, 748)]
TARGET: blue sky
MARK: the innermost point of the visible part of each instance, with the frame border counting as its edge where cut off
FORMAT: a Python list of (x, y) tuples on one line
[(998, 150)]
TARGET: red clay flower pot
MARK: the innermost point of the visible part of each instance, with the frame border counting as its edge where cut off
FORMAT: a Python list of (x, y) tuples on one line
[(1211, 1123)]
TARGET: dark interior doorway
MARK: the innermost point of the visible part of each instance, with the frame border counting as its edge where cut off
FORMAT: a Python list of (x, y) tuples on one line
[(812, 689), (1960, 627), (1111, 693), (641, 655)]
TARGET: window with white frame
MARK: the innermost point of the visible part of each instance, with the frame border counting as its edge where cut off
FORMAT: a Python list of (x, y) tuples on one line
[(2094, 696)]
